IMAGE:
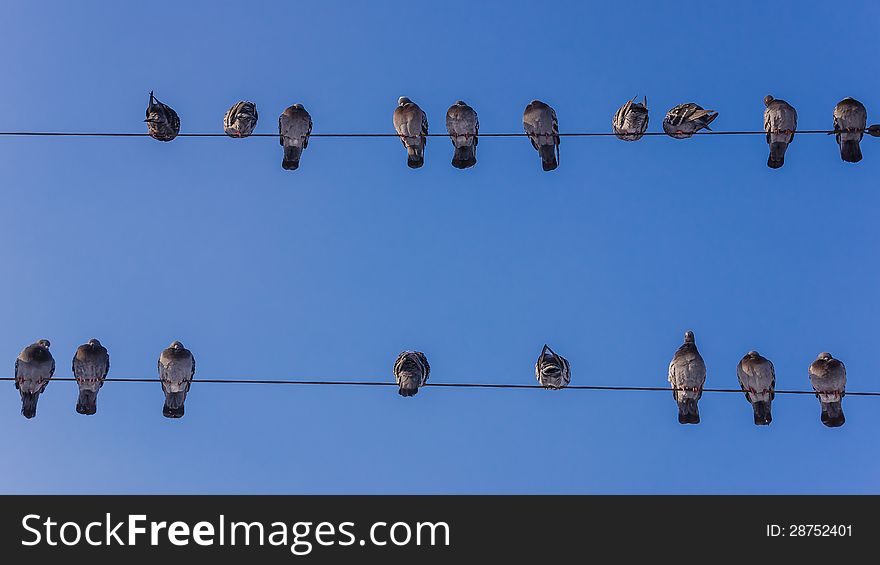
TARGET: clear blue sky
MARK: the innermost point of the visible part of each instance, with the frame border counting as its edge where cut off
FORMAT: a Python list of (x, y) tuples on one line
[(328, 272)]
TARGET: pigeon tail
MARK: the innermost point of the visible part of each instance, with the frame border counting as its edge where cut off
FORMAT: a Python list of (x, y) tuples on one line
[(408, 391), (415, 156), (777, 155), (832, 414), (688, 412), (87, 403), (292, 153), (850, 151), (762, 413), (29, 404), (548, 157), (174, 404), (464, 157)]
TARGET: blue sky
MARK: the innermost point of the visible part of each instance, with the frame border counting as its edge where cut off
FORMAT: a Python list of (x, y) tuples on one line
[(328, 272)]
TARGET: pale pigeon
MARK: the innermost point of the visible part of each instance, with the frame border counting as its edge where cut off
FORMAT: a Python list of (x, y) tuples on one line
[(463, 126), (411, 371), (685, 120), (91, 363), (757, 378), (411, 124), (780, 123), (241, 119), (687, 375), (828, 377), (163, 122), (552, 370), (294, 128), (542, 127), (850, 119), (177, 366), (34, 368), (631, 120)]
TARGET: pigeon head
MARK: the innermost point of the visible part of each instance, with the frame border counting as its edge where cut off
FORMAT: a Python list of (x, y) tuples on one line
[(44, 343), (94, 342), (176, 345), (825, 356), (689, 336), (767, 100), (403, 100)]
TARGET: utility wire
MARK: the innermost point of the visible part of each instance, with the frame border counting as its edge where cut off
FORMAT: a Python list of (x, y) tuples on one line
[(275, 135), (442, 385)]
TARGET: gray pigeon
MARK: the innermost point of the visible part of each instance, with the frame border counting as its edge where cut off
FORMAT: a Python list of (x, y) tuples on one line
[(177, 366), (542, 127), (33, 369), (241, 119), (757, 378), (631, 120), (850, 119), (411, 124), (552, 371), (828, 377), (162, 122), (463, 126), (780, 123), (294, 128), (687, 375), (91, 363), (685, 120), (411, 371)]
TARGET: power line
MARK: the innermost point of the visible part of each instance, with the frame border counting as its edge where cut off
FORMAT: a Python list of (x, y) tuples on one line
[(442, 385), (357, 135)]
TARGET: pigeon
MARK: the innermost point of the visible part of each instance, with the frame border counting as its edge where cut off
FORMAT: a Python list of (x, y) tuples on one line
[(411, 371), (780, 123), (828, 377), (176, 369), (33, 369), (757, 378), (552, 371), (241, 119), (850, 119), (685, 120), (687, 375), (631, 120), (411, 124), (91, 363), (463, 126), (542, 127), (294, 128), (162, 122)]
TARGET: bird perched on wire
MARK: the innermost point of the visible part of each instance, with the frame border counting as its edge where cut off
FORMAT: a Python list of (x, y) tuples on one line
[(850, 119), (463, 126), (828, 377), (177, 366), (631, 120), (685, 120), (757, 378), (241, 119), (552, 370), (542, 127), (163, 122), (687, 375), (780, 123), (91, 363), (411, 124), (294, 128), (411, 371), (34, 368)]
